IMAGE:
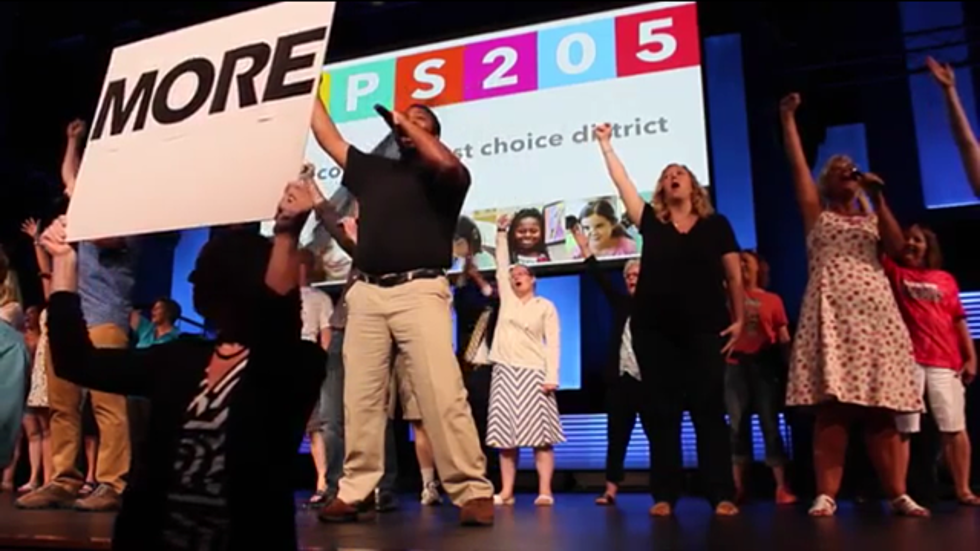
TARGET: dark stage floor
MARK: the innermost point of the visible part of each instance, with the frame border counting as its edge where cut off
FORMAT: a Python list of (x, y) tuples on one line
[(573, 524)]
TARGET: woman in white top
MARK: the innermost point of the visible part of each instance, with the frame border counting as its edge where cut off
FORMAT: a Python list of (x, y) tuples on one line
[(523, 409)]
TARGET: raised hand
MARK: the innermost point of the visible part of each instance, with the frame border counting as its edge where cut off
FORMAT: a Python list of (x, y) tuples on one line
[(30, 227), (294, 208), (76, 129), (349, 223), (503, 222), (789, 104), (603, 133), (942, 72), (55, 239)]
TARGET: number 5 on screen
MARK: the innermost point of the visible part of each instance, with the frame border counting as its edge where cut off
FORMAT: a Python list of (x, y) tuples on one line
[(657, 40)]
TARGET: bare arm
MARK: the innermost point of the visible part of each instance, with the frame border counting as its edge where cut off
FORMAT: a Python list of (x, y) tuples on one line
[(892, 238), (73, 155), (736, 292), (806, 191), (963, 134), (44, 265), (435, 154), (325, 335), (966, 141), (617, 171), (503, 264), (330, 219), (282, 272), (327, 135), (477, 278)]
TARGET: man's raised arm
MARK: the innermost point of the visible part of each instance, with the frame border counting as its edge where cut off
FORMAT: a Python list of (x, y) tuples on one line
[(433, 152)]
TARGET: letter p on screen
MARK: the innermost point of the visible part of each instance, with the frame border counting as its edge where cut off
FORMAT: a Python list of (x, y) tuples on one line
[(360, 86)]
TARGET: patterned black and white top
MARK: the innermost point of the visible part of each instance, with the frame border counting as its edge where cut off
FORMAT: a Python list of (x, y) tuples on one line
[(197, 512)]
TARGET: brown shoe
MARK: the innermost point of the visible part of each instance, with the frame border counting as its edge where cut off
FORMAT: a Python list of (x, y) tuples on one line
[(338, 511), (49, 496), (477, 512), (103, 499)]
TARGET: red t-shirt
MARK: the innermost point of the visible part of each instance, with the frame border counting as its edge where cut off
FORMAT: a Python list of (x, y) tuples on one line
[(764, 317), (930, 303)]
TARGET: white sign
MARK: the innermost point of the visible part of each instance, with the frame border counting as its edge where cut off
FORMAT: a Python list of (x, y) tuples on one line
[(202, 126)]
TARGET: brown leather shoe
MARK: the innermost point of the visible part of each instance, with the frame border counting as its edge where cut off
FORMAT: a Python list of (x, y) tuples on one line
[(338, 511), (477, 512), (102, 499), (49, 496)]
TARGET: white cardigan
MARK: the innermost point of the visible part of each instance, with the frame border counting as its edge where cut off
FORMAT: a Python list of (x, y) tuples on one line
[(527, 332)]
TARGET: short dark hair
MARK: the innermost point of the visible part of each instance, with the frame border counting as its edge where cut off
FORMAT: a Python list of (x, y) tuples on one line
[(436, 125), (467, 230)]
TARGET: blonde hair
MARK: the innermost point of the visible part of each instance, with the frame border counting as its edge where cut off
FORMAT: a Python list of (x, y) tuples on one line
[(629, 264), (823, 179), (700, 201), (10, 290)]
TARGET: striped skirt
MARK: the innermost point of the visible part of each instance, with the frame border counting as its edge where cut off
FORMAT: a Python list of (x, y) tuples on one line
[(521, 414)]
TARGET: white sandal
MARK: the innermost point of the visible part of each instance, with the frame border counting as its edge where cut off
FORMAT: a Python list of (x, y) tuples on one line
[(823, 506), (905, 506), (501, 502), (544, 501)]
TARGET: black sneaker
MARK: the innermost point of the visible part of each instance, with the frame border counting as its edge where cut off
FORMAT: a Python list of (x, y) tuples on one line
[(385, 502)]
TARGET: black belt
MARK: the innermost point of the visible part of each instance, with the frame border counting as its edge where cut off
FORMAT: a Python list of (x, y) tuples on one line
[(393, 280)]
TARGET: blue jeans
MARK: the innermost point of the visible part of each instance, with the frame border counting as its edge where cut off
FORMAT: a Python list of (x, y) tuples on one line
[(753, 382), (332, 414)]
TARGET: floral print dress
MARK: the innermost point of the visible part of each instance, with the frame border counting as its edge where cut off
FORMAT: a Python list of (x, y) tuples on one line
[(852, 345)]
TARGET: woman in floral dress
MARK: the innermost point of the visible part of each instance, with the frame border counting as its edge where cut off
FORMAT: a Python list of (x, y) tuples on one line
[(852, 359)]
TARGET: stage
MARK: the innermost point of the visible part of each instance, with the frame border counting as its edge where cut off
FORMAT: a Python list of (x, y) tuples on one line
[(574, 524)]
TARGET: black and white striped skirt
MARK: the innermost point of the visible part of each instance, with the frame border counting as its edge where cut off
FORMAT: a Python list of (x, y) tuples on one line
[(521, 414)]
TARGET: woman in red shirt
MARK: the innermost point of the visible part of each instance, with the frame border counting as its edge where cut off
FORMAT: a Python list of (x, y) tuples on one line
[(929, 300), (751, 380)]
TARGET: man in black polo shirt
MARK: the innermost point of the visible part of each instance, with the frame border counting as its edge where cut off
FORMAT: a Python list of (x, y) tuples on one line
[(408, 213)]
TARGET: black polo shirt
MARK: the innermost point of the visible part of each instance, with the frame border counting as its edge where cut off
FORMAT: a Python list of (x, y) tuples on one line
[(408, 213)]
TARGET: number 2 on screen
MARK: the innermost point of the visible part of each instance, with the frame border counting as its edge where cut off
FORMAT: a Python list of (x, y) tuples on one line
[(499, 78), (664, 43)]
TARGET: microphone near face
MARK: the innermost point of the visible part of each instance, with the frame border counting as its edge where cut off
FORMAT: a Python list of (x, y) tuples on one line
[(386, 116), (874, 185)]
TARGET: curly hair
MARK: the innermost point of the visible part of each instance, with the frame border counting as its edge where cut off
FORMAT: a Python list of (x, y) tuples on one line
[(700, 200)]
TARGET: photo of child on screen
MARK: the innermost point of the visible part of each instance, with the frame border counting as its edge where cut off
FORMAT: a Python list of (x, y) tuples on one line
[(525, 238), (606, 234), (468, 242)]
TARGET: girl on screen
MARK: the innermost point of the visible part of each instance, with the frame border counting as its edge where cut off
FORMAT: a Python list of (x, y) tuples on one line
[(523, 410), (607, 237), (681, 325), (468, 244), (525, 238), (852, 356)]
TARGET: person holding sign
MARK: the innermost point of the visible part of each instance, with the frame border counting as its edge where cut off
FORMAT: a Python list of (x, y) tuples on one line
[(409, 208), (221, 410), (681, 326)]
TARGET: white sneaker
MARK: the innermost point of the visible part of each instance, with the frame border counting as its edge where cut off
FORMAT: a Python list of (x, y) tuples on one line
[(431, 495)]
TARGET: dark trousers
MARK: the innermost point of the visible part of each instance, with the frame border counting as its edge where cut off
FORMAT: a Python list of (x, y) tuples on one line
[(138, 410), (477, 383), (686, 371), (751, 383), (625, 399)]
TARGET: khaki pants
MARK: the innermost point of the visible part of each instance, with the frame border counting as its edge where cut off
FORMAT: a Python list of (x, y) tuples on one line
[(401, 391), (416, 317), (65, 401)]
